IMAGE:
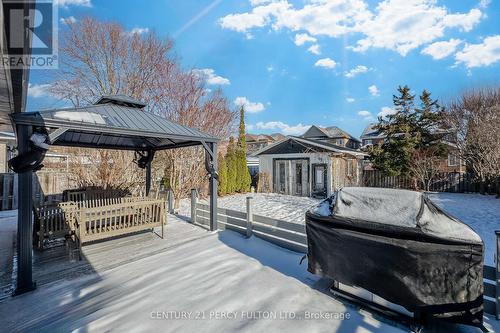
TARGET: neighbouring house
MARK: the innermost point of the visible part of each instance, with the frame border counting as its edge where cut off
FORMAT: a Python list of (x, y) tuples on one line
[(451, 163), (256, 142), (332, 135), (371, 136), (309, 167), (7, 148)]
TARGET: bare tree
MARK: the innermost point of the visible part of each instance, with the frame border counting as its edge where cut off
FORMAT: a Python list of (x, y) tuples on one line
[(101, 58), (475, 116), (425, 167)]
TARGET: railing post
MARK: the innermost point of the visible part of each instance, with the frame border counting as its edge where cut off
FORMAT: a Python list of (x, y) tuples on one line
[(194, 198), (249, 217), (497, 261), (170, 198)]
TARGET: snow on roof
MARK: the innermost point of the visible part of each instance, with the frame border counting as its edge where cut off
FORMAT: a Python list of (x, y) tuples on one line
[(315, 143), (371, 132)]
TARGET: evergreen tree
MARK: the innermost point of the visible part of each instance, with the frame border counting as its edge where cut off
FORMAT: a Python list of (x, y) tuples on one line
[(231, 166), (407, 130), (222, 189), (244, 179)]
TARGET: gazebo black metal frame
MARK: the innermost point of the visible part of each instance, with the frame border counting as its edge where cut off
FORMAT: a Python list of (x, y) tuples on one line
[(113, 122)]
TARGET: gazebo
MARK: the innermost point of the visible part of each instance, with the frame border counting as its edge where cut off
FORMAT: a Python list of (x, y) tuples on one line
[(113, 122)]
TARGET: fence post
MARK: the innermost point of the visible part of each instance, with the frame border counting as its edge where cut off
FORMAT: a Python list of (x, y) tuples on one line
[(170, 200), (497, 260), (194, 198), (249, 217)]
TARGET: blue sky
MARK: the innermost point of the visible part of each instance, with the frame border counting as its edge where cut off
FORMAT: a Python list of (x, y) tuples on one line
[(297, 63)]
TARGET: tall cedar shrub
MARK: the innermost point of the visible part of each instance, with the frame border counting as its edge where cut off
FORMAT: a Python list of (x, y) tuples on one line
[(222, 189), (244, 180), (231, 164)]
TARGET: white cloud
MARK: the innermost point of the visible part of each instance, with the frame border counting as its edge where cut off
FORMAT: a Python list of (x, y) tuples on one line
[(484, 3), (301, 39), (403, 25), (210, 77), (259, 17), (385, 111), (68, 20), (314, 49), (259, 2), (350, 100), (39, 90), (373, 90), (283, 128), (399, 25), (270, 68), (356, 70), (326, 63), (482, 54), (440, 50), (250, 107), (366, 115), (139, 31), (65, 3)]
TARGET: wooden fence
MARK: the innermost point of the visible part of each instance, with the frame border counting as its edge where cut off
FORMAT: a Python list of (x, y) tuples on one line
[(293, 237), (443, 182), (46, 186)]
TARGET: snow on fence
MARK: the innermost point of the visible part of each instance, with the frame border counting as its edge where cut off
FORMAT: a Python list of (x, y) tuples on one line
[(293, 237)]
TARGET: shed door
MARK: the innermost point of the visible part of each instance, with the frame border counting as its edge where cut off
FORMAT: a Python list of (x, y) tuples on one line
[(319, 176)]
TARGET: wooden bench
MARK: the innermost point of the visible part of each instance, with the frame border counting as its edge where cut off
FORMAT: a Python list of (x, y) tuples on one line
[(86, 222), (53, 221), (119, 219)]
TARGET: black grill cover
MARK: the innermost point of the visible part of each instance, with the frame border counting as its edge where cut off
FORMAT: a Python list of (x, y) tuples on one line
[(398, 245)]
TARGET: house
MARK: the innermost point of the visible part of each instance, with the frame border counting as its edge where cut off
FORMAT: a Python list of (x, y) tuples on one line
[(7, 148), (451, 163), (332, 135), (256, 142), (371, 136), (309, 167)]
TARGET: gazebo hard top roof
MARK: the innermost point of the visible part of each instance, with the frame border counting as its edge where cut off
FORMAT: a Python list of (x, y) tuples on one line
[(114, 122)]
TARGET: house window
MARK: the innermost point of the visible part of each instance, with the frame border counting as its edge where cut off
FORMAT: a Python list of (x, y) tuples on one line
[(350, 168), (368, 142), (339, 142), (453, 160)]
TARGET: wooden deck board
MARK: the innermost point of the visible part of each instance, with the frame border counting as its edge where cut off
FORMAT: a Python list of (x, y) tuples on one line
[(61, 262)]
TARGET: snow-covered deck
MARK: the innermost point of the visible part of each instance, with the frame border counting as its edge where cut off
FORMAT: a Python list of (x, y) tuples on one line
[(216, 281), (193, 280)]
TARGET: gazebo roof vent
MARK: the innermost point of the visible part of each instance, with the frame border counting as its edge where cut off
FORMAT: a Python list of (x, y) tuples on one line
[(121, 100)]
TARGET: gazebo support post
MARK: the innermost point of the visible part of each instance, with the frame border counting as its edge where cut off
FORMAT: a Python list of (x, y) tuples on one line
[(24, 219), (213, 186), (148, 178)]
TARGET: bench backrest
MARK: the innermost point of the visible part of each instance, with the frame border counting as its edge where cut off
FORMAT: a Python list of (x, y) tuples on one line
[(122, 218), (55, 220), (94, 197)]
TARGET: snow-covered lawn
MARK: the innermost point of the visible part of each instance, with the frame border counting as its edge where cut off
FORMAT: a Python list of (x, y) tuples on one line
[(480, 212), (283, 207), (216, 282)]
